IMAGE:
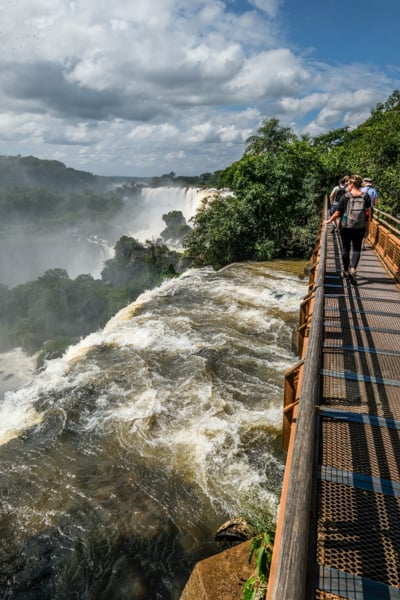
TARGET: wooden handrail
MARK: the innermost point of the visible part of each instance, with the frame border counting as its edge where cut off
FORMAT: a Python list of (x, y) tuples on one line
[(291, 400), (287, 579), (288, 569), (386, 240), (384, 217)]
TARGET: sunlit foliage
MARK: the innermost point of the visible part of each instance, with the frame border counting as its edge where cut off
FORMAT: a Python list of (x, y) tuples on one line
[(279, 184)]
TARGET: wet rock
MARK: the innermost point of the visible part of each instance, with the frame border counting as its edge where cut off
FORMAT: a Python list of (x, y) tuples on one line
[(233, 531)]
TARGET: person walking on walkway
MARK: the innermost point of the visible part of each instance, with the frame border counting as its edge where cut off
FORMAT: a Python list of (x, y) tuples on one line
[(334, 198), (367, 186), (354, 209)]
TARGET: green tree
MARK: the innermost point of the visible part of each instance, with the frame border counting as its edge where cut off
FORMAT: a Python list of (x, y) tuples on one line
[(372, 149), (177, 228), (269, 137), (274, 210)]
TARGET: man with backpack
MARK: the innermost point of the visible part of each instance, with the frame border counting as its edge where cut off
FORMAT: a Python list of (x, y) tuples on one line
[(354, 209), (334, 198), (368, 187), (373, 194)]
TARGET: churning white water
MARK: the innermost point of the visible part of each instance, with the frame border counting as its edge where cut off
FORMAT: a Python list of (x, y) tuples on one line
[(16, 368), (124, 456)]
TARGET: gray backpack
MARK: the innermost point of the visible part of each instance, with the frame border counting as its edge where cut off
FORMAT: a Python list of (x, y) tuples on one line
[(354, 215)]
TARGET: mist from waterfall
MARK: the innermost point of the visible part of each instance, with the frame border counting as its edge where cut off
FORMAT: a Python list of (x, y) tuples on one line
[(159, 201), (120, 459), (81, 250), (144, 218)]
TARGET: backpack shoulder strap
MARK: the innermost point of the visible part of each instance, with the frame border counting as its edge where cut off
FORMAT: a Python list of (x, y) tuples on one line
[(347, 196)]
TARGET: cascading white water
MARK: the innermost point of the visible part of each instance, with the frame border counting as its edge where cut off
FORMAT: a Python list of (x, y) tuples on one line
[(16, 368), (124, 456), (147, 222), (143, 221)]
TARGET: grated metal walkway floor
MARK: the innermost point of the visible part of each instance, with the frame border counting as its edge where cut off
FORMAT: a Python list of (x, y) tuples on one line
[(356, 506)]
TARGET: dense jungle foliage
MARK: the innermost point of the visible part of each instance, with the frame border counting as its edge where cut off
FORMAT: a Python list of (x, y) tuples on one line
[(41, 207), (274, 211), (54, 311), (279, 184)]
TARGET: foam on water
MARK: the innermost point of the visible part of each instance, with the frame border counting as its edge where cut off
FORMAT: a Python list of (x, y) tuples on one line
[(157, 428), (14, 419), (141, 326), (16, 368)]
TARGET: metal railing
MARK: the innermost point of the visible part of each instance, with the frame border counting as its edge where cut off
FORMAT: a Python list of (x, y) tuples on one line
[(389, 221), (289, 560)]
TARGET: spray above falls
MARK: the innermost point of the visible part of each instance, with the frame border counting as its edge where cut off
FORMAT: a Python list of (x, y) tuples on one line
[(84, 247)]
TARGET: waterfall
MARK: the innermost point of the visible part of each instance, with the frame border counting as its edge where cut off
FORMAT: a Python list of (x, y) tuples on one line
[(120, 459), (146, 219), (84, 249)]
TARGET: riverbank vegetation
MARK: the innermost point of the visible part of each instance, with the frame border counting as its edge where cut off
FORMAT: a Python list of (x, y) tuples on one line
[(54, 311), (275, 207)]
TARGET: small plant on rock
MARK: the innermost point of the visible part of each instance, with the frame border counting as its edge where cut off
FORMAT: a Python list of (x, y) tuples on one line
[(255, 587)]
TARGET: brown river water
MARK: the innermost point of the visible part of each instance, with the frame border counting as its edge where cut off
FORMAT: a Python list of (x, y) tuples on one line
[(120, 460)]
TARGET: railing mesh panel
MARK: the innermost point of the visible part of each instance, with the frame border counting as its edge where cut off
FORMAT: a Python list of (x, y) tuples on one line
[(359, 532), (361, 448)]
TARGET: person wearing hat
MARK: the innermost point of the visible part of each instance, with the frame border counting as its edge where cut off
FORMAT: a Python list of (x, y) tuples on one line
[(373, 194), (368, 187)]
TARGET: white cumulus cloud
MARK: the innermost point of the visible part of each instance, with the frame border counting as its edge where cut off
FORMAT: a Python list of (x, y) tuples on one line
[(143, 88)]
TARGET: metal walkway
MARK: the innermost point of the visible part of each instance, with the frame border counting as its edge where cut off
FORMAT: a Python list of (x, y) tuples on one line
[(338, 526), (355, 503)]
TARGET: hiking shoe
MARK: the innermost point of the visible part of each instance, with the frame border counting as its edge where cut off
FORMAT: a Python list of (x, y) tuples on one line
[(353, 275)]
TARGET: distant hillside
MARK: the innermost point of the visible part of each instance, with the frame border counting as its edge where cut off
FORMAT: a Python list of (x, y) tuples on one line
[(55, 217), (31, 172)]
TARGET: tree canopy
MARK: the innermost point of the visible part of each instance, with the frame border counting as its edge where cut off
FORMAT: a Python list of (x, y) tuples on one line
[(54, 310), (270, 137), (275, 205)]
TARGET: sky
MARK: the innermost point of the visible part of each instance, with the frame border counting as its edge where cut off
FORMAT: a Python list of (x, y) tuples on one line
[(140, 88)]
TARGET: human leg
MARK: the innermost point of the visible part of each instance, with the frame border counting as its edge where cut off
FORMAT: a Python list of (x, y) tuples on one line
[(346, 243), (365, 235), (357, 236)]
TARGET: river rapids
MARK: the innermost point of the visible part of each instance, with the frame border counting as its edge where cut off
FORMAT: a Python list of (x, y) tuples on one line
[(121, 459)]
